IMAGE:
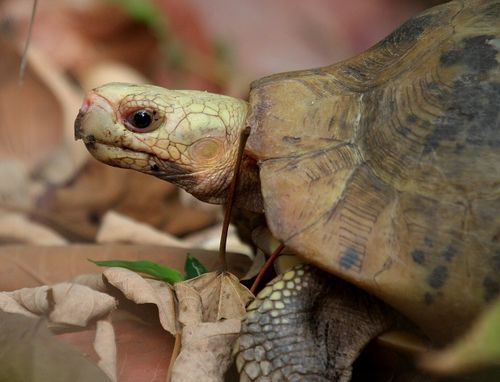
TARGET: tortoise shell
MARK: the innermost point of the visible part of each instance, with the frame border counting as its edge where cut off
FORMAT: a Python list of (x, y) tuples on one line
[(385, 169)]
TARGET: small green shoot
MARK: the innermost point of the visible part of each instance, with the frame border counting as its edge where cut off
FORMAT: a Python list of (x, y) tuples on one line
[(193, 268), (147, 267)]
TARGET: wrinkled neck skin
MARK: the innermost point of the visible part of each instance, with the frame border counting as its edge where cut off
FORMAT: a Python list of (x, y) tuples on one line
[(247, 196)]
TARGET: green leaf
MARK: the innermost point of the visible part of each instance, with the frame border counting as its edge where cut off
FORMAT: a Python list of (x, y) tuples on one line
[(158, 271), (193, 268)]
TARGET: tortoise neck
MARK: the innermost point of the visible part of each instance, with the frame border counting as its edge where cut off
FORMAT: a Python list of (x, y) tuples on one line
[(248, 194)]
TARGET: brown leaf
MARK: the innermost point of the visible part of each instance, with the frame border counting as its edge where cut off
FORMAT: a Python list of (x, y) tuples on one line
[(65, 303), (222, 296), (206, 351), (210, 308), (117, 228), (15, 227), (146, 291), (29, 352), (9, 305), (105, 347), (25, 109), (32, 299), (143, 346), (76, 304)]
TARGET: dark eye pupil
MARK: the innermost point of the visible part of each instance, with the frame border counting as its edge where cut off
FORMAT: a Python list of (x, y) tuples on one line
[(141, 119)]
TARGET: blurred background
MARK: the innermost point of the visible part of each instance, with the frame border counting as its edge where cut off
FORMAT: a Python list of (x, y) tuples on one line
[(48, 182)]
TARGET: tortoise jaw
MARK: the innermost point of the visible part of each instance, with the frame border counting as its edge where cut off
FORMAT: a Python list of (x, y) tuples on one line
[(78, 125)]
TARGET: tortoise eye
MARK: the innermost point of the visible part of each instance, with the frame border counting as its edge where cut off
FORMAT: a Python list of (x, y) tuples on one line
[(141, 121)]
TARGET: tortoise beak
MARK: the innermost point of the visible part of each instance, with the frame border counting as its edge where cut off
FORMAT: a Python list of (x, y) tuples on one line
[(92, 100), (78, 125)]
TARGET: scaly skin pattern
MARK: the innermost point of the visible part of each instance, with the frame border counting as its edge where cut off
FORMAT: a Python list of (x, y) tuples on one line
[(191, 141), (308, 325)]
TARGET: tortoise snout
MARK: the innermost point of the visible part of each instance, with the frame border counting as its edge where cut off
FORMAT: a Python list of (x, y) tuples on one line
[(78, 124)]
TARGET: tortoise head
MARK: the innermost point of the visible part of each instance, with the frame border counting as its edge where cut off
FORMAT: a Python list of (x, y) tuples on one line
[(189, 138)]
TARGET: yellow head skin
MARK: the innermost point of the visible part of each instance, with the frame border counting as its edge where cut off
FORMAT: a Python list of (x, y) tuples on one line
[(189, 138)]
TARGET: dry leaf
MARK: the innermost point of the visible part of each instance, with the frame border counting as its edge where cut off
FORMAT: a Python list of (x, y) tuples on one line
[(190, 306), (206, 351), (32, 299), (92, 280), (15, 227), (76, 304), (143, 346), (105, 347), (118, 228), (9, 305), (64, 303), (210, 308), (146, 291), (222, 295), (29, 352), (25, 109)]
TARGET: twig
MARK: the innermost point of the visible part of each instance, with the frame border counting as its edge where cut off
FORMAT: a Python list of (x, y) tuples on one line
[(265, 267), (230, 197), (24, 59)]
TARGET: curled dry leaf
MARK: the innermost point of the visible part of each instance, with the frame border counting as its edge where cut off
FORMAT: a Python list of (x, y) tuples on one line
[(206, 351), (146, 291), (64, 303), (105, 347), (10, 305), (92, 280), (76, 304), (32, 299)]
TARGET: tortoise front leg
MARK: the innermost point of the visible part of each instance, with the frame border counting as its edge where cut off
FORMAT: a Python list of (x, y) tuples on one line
[(307, 325)]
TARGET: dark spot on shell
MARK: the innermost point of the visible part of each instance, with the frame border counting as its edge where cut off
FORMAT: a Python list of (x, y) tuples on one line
[(475, 52), (289, 139), (428, 299), (450, 253), (471, 115), (404, 131), (412, 118), (155, 167), (459, 147), (409, 32), (491, 289), (428, 242), (438, 277), (418, 256), (350, 258)]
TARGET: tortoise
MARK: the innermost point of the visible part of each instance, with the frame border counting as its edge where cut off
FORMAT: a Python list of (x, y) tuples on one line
[(383, 170)]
